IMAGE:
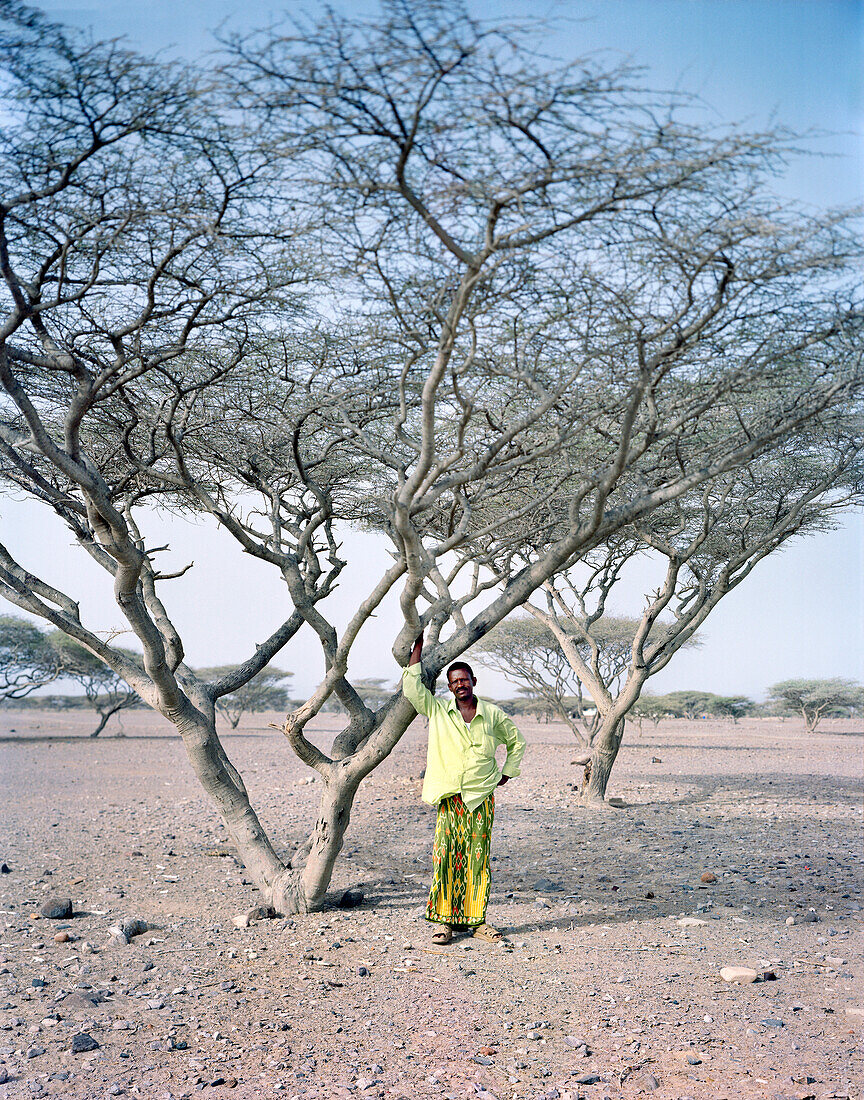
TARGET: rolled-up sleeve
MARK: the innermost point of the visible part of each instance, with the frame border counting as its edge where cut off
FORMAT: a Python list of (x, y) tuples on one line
[(416, 692), (510, 736)]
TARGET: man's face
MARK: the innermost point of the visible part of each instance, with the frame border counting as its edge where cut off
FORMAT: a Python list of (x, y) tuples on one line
[(461, 683)]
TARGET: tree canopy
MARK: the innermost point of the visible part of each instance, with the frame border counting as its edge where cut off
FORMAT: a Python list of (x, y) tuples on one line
[(817, 699), (403, 273)]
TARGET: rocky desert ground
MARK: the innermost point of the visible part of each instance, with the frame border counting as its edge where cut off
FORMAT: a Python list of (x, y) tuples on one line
[(609, 983)]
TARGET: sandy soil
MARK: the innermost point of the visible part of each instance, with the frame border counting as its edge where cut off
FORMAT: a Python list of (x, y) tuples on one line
[(599, 981)]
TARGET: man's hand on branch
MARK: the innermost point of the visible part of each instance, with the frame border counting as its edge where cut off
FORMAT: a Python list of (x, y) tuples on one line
[(414, 659)]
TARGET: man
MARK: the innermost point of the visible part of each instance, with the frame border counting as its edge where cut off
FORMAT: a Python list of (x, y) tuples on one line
[(461, 776)]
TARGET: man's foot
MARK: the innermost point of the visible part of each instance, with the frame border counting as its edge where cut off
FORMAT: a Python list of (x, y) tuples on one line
[(444, 935), (488, 933)]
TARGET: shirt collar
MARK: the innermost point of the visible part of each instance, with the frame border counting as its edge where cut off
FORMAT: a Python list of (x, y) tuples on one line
[(481, 706)]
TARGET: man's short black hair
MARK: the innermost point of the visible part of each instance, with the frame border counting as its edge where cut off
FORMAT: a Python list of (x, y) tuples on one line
[(460, 664)]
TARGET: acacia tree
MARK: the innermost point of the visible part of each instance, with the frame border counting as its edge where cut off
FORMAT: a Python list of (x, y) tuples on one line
[(651, 707), (106, 691), (529, 656), (511, 272), (733, 706), (27, 660), (31, 658), (814, 699), (708, 543), (689, 704)]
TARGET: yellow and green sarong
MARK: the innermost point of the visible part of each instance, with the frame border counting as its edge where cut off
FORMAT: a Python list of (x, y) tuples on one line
[(460, 862)]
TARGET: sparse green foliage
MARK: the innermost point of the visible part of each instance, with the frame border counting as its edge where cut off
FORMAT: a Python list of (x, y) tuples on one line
[(732, 706), (703, 704), (817, 699), (689, 704)]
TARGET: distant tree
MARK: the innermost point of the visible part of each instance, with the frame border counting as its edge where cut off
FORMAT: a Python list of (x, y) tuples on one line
[(534, 706), (104, 689), (528, 654), (705, 544), (689, 704), (27, 661), (732, 706), (266, 691), (30, 659), (374, 691), (652, 707), (509, 706), (816, 699)]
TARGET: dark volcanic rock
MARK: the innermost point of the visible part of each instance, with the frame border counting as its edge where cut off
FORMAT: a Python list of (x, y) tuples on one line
[(82, 1042), (57, 908)]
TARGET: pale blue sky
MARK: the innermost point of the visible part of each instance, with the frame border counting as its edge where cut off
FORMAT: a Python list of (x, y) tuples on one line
[(797, 62)]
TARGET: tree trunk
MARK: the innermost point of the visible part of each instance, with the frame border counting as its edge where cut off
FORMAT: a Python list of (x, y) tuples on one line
[(103, 722), (281, 886), (107, 714), (811, 720), (286, 888), (605, 750), (365, 745), (334, 815)]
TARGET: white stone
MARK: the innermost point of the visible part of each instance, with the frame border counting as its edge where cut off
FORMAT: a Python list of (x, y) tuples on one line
[(740, 975)]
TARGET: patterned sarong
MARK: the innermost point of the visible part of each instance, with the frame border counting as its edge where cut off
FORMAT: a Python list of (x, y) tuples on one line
[(460, 862)]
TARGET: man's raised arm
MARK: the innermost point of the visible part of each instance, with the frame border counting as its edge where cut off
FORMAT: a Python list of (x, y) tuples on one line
[(413, 688)]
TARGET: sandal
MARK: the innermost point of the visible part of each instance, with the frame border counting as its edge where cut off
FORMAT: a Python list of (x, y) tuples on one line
[(444, 936), (488, 933)]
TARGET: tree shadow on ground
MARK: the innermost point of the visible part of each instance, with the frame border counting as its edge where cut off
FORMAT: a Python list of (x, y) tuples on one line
[(772, 786)]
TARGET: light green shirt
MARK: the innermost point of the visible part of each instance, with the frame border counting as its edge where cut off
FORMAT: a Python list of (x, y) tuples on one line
[(461, 758)]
